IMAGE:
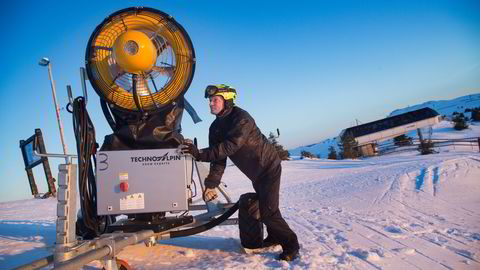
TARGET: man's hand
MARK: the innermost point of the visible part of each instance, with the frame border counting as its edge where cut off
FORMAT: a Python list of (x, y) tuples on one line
[(209, 194), (188, 148)]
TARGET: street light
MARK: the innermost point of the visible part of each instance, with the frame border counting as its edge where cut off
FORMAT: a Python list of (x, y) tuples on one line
[(45, 62)]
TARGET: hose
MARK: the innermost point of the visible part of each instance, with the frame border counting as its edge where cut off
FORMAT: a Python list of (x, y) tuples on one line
[(206, 226)]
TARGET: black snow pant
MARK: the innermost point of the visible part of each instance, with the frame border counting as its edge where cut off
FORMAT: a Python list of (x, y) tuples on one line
[(268, 188)]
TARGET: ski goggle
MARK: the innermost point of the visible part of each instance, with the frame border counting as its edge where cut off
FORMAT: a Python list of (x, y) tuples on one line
[(222, 90)]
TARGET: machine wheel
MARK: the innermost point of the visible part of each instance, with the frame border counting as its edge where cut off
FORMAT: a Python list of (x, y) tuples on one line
[(250, 226), (121, 265)]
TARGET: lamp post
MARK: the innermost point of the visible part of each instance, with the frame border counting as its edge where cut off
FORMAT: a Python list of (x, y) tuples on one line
[(45, 62)]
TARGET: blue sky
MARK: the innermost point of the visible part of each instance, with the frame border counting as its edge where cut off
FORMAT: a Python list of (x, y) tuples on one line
[(309, 68)]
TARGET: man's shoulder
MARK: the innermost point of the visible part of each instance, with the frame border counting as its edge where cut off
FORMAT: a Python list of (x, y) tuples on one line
[(235, 116), (238, 109), (239, 112), (214, 123)]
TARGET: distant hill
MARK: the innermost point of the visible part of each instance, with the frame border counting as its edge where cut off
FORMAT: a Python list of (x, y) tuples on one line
[(443, 107)]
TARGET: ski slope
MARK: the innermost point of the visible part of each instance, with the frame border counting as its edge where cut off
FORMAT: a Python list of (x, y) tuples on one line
[(402, 211), (397, 211)]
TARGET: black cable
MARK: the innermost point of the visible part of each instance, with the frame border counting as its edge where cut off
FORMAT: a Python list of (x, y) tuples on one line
[(135, 93), (206, 226), (86, 148)]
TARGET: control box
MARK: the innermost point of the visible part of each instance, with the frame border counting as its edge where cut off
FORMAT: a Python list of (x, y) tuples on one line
[(142, 181)]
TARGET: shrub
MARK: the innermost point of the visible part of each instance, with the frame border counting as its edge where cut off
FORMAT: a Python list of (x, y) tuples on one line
[(459, 122), (332, 153), (306, 154), (426, 147), (348, 146), (282, 153)]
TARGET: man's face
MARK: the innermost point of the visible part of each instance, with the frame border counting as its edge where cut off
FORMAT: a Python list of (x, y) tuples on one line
[(216, 104)]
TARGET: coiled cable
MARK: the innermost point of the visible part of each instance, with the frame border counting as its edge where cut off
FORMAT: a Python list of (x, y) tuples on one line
[(86, 149)]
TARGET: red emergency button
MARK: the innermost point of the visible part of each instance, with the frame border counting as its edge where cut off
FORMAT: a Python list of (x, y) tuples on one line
[(124, 186)]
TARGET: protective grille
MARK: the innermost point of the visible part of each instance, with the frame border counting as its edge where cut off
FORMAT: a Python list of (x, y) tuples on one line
[(166, 81)]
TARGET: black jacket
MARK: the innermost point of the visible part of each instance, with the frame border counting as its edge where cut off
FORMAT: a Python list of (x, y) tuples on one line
[(235, 135)]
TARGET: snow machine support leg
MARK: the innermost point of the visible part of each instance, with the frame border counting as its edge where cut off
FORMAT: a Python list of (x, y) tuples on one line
[(37, 264), (110, 264), (66, 214)]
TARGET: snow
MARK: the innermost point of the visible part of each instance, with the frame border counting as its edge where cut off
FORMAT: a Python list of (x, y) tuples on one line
[(396, 211)]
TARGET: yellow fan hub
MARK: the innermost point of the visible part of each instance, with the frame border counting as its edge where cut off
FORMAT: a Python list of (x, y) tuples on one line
[(134, 52)]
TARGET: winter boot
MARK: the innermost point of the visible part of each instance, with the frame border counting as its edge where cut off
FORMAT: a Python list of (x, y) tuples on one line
[(269, 241), (289, 255)]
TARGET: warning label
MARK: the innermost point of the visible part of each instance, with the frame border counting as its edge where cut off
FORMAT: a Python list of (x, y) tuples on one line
[(133, 201)]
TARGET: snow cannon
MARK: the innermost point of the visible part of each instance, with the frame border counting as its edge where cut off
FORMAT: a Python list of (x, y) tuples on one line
[(140, 62)]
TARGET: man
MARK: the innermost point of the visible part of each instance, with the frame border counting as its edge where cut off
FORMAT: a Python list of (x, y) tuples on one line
[(234, 134)]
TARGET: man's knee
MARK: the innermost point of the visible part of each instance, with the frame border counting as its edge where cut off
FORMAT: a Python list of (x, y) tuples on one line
[(269, 202)]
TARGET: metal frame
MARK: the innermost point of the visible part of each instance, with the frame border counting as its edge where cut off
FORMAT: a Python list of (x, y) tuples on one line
[(71, 253), (37, 142)]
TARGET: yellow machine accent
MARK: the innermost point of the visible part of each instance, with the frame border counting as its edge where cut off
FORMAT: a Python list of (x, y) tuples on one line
[(134, 52), (114, 58)]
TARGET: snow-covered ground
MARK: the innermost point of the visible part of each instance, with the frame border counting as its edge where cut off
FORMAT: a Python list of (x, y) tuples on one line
[(402, 211), (397, 211)]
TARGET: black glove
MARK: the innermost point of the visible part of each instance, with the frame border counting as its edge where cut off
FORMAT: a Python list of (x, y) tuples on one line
[(190, 149)]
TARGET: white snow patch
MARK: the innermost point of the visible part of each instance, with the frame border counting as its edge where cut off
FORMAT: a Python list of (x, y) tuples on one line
[(400, 211)]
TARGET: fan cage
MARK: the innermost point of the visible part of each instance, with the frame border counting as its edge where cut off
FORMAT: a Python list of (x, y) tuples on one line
[(174, 67)]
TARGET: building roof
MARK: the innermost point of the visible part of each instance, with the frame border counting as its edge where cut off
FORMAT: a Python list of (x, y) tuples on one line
[(391, 122)]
